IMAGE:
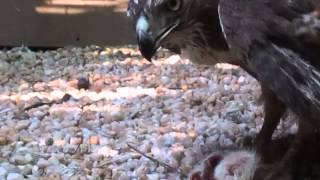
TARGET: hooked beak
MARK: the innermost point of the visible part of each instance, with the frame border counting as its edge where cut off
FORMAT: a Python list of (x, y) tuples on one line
[(149, 41), (146, 45)]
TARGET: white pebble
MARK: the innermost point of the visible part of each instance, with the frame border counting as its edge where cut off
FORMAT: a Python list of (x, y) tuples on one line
[(153, 176), (166, 139), (22, 124), (107, 151), (43, 163), (14, 176), (3, 172)]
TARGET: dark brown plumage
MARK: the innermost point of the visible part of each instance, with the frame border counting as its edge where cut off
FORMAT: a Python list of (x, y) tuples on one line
[(276, 41)]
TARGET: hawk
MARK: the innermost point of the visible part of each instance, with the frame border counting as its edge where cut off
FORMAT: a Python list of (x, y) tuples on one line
[(276, 41)]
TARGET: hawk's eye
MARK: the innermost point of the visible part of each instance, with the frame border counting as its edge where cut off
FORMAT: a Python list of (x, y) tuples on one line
[(174, 5)]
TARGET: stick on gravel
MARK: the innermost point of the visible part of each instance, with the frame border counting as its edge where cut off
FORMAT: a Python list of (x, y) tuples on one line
[(65, 98), (182, 175)]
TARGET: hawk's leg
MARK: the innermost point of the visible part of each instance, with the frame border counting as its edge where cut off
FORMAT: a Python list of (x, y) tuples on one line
[(274, 110), (305, 131), (284, 169)]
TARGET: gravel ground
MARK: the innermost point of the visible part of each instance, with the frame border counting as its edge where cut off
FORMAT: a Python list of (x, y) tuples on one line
[(132, 117)]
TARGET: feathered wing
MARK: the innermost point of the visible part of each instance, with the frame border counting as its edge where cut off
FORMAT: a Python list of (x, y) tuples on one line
[(294, 81), (266, 41), (247, 22)]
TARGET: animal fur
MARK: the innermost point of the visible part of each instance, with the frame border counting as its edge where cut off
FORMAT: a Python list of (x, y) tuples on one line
[(239, 165)]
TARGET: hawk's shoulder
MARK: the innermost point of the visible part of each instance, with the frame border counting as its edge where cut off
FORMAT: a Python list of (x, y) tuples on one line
[(255, 21)]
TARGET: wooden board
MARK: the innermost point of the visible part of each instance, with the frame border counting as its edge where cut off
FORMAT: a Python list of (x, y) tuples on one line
[(57, 23)]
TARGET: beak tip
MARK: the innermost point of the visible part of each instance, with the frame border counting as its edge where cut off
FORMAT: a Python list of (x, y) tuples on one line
[(146, 54), (146, 49), (149, 59), (145, 41)]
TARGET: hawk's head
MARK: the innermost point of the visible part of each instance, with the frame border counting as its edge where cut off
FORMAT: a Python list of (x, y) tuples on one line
[(176, 24)]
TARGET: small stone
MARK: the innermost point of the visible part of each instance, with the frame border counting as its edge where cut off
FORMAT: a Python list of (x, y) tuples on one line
[(226, 142), (19, 144), (9, 167), (107, 173), (186, 168), (212, 140), (4, 65), (83, 83), (173, 162), (55, 176), (86, 164), (120, 176), (107, 151), (106, 117), (166, 110), (146, 147), (26, 170), (94, 140), (49, 141), (36, 171), (75, 140), (177, 151), (118, 128), (3, 140), (241, 80), (165, 79), (66, 97), (153, 176), (54, 160), (166, 139), (70, 149), (29, 158), (35, 123), (84, 148), (62, 159), (59, 142), (119, 116), (104, 141), (98, 85), (97, 172), (161, 169), (14, 176), (201, 127), (189, 157), (192, 134), (77, 177), (86, 133), (233, 106), (18, 160), (25, 138), (22, 124), (3, 172), (43, 163), (141, 172)]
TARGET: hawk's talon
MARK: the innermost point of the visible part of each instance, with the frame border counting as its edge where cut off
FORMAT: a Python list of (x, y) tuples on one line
[(275, 171)]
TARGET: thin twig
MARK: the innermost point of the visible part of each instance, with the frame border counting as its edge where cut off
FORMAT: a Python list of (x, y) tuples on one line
[(75, 151), (152, 159), (6, 110), (105, 163), (39, 104), (65, 98), (167, 166)]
